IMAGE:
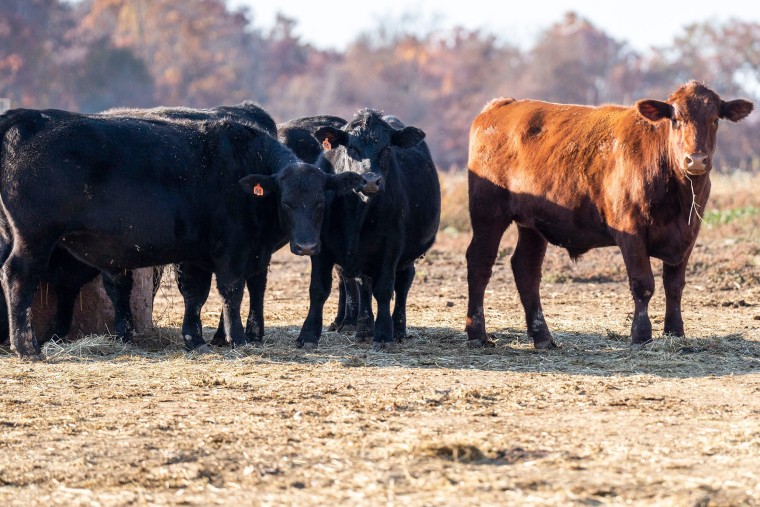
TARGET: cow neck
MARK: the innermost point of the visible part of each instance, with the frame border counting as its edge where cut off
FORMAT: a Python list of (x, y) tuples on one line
[(693, 192), (356, 210)]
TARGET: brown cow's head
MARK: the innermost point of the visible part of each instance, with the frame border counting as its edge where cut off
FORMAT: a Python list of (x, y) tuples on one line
[(693, 111)]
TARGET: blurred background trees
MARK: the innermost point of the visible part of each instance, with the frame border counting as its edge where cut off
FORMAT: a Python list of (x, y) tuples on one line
[(95, 54)]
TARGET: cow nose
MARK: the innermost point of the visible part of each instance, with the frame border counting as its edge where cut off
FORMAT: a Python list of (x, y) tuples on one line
[(696, 163), (305, 248), (372, 183)]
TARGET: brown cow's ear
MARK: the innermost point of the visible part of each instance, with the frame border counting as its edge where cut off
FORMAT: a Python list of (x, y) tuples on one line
[(407, 137), (258, 185), (735, 110), (654, 110), (330, 137), (343, 183)]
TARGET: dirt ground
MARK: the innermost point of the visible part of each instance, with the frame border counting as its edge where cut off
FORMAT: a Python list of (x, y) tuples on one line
[(434, 423)]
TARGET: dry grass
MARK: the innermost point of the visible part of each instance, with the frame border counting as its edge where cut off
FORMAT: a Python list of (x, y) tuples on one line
[(432, 423)]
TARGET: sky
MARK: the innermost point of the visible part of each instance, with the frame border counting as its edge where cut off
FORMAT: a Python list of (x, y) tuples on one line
[(641, 23)]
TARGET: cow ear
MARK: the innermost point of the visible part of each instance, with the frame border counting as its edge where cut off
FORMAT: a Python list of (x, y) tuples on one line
[(735, 110), (344, 183), (407, 137), (330, 137), (259, 185), (654, 110)]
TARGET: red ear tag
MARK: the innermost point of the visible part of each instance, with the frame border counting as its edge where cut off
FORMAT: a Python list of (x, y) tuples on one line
[(326, 144), (258, 190)]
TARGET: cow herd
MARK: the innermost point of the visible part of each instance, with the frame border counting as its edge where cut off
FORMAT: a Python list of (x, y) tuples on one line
[(218, 191)]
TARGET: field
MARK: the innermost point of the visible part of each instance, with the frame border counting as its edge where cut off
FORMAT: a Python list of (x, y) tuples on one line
[(433, 423)]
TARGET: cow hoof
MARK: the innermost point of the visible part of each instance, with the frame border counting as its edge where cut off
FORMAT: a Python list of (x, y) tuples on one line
[(203, 349), (546, 345), (30, 358), (378, 346), (219, 340), (487, 343), (334, 326), (309, 346), (347, 328)]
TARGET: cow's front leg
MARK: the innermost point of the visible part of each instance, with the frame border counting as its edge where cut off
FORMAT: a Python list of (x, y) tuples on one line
[(674, 281), (231, 291), (365, 321), (382, 289), (641, 282), (254, 327), (194, 284), (404, 279), (319, 291)]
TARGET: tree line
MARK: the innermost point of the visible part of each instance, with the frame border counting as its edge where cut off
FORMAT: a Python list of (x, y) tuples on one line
[(96, 54)]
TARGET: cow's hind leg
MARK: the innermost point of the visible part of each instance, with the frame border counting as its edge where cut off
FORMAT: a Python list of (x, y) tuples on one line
[(118, 286), (348, 304), (194, 285), (404, 279), (526, 267), (21, 274), (481, 255)]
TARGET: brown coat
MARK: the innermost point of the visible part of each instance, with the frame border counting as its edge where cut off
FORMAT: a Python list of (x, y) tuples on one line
[(582, 177)]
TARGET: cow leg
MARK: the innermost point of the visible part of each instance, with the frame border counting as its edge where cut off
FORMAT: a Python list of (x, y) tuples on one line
[(404, 279), (21, 274), (64, 312), (353, 301), (365, 322), (231, 291), (382, 289), (254, 327), (348, 304), (481, 255), (526, 267), (641, 282), (674, 281), (194, 284), (337, 324), (118, 286), (319, 291)]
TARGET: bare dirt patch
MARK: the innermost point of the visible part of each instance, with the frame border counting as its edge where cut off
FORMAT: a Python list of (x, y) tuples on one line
[(434, 423)]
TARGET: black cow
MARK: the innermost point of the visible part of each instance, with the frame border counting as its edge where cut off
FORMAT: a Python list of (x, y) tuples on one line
[(66, 275), (298, 135), (380, 232), (194, 280), (122, 193)]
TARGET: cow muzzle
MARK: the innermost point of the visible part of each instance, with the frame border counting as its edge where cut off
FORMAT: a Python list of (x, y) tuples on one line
[(373, 183), (304, 248), (696, 164)]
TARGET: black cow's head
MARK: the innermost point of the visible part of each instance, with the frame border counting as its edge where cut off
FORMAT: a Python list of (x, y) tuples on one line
[(693, 111), (364, 146), (300, 189)]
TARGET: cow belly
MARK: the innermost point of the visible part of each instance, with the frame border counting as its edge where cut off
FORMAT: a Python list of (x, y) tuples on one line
[(109, 252), (568, 235)]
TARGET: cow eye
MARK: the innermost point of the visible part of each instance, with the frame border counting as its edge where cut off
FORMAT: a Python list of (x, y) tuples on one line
[(716, 121), (676, 123)]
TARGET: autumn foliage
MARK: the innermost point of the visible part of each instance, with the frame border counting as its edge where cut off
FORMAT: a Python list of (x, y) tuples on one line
[(96, 54)]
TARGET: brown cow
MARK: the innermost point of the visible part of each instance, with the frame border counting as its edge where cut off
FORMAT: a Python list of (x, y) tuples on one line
[(584, 177)]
